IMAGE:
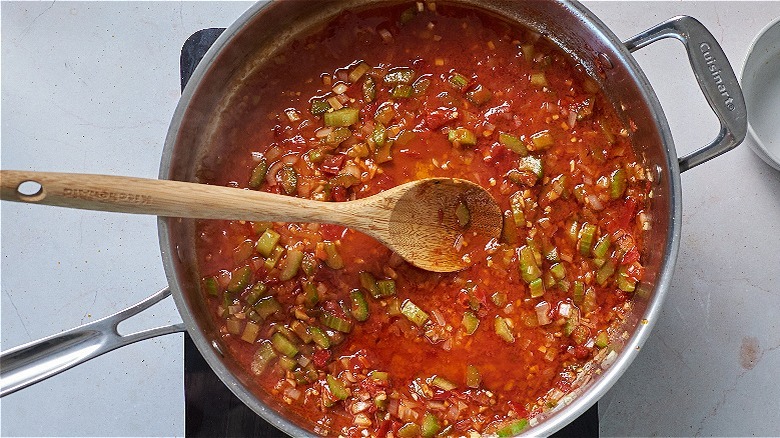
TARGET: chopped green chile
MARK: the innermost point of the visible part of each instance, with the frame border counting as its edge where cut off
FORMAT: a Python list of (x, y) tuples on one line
[(369, 89), (336, 322), (617, 183), (579, 292), (558, 271), (384, 114), (394, 306), (267, 306), (502, 329), (369, 284), (409, 430), (334, 260), (239, 279), (359, 305), (258, 174), (257, 292), (462, 137), (414, 313), (605, 272), (234, 326), (384, 153), (531, 164), (470, 322), (287, 363), (319, 337), (359, 71), (243, 251), (513, 428), (283, 345), (624, 282), (442, 383), (379, 135), (274, 257), (264, 355), (430, 426), (260, 227), (473, 377), (602, 339), (291, 264), (479, 95), (311, 296), (301, 330), (344, 180), (499, 299), (251, 331), (317, 155), (602, 246), (267, 241), (319, 106), (539, 79), (402, 91), (288, 179), (587, 235), (459, 81), (385, 288), (513, 143), (379, 375), (570, 324), (341, 330), (342, 117), (338, 135), (517, 204), (337, 388), (589, 303), (211, 286), (542, 140), (536, 288), (529, 269)]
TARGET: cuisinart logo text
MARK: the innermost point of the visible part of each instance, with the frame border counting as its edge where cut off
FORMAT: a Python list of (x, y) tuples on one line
[(715, 72)]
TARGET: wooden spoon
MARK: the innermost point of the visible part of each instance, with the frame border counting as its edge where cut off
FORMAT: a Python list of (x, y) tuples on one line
[(434, 223)]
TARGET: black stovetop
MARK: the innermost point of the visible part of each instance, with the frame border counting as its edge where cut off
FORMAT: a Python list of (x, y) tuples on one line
[(211, 410)]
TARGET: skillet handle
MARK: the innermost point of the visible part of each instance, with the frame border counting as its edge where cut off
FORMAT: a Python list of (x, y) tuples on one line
[(30, 363), (716, 79)]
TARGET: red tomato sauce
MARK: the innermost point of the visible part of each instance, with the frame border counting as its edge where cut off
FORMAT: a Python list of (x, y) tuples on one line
[(352, 337)]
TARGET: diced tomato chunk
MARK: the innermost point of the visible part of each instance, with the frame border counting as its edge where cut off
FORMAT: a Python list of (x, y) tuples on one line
[(581, 352), (631, 256), (439, 117), (333, 163), (321, 358)]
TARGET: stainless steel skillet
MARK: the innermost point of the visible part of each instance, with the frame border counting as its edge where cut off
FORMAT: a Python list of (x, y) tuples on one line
[(573, 27)]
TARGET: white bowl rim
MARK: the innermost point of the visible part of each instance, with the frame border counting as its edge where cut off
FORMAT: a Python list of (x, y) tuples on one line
[(757, 145)]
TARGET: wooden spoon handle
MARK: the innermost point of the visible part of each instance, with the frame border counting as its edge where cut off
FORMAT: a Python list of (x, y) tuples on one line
[(167, 198)]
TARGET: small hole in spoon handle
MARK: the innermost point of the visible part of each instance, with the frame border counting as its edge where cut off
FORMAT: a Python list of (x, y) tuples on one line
[(30, 191)]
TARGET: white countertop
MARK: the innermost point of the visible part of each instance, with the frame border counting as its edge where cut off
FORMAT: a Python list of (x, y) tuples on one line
[(91, 87)]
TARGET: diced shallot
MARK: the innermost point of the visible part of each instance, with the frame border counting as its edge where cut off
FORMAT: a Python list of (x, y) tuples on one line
[(359, 407), (595, 202), (292, 393), (572, 119), (541, 312)]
